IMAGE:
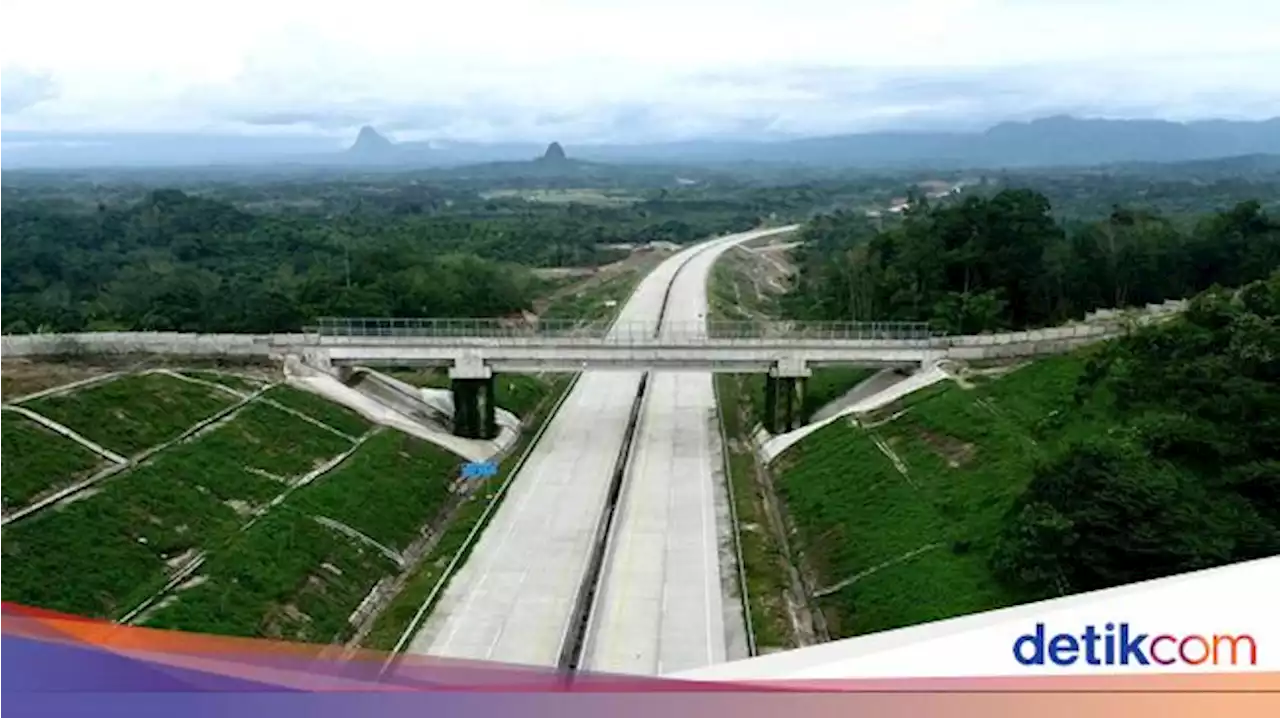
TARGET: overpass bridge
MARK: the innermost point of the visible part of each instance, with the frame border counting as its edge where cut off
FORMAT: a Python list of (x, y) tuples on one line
[(786, 351)]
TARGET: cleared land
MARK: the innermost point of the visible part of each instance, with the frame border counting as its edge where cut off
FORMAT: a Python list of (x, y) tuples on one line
[(20, 377), (599, 297), (566, 196)]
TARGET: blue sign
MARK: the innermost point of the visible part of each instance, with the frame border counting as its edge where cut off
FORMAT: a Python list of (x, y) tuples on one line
[(479, 470)]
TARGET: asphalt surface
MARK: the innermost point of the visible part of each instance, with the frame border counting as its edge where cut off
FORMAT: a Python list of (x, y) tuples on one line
[(513, 598), (667, 599)]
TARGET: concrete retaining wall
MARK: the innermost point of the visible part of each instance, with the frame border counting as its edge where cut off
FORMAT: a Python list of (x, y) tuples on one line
[(175, 343)]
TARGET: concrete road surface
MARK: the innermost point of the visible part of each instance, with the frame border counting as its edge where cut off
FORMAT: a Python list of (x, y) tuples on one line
[(668, 599), (513, 598)]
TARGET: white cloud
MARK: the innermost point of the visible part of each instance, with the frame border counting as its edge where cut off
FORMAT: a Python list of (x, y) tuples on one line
[(487, 69)]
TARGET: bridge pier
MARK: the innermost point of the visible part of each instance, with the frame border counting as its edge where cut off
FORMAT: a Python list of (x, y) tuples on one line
[(785, 382), (474, 400)]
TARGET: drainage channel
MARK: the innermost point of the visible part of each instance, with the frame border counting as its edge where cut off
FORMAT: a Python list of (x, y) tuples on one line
[(574, 643)]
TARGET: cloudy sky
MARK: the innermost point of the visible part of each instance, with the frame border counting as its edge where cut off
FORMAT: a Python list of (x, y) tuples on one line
[(626, 70)]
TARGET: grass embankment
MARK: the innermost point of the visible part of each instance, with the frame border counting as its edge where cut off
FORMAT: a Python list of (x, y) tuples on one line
[(386, 490), (133, 413), (735, 292), (103, 553), (762, 552), (599, 301), (894, 546), (37, 460), (288, 576), (540, 395), (317, 407), (391, 489), (739, 290)]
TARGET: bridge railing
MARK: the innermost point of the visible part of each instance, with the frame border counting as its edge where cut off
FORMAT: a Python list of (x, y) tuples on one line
[(634, 332)]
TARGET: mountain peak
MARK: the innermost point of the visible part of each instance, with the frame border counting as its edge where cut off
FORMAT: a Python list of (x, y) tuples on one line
[(554, 152), (370, 141)]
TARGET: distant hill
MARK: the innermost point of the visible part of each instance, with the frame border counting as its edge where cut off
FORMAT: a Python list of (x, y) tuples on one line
[(370, 143), (554, 153), (1052, 141)]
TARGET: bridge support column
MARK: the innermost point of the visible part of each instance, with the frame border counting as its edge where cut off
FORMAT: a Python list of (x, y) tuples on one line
[(787, 379), (474, 408), (771, 403), (488, 410)]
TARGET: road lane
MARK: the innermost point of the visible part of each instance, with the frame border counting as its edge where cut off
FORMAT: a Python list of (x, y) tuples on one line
[(661, 606), (513, 598)]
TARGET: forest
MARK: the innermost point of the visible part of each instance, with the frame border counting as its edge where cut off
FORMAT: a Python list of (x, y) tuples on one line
[(1186, 477), (1003, 261), (175, 261)]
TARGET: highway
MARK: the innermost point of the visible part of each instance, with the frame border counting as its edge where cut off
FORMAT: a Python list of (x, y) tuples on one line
[(514, 599), (667, 596)]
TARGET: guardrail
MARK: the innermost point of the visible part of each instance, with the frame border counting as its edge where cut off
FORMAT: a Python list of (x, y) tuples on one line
[(623, 332), (496, 332)]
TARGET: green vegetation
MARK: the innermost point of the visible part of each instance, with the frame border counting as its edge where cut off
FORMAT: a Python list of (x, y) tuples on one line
[(599, 302), (103, 553), (1189, 475), (259, 437), (1148, 456), (1003, 262), (37, 460), (168, 260), (762, 553), (133, 413), (395, 619), (240, 383), (286, 577), (388, 489), (828, 384), (966, 456), (317, 407), (735, 290)]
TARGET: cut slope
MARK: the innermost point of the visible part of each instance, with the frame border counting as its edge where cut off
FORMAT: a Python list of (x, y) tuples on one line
[(898, 520)]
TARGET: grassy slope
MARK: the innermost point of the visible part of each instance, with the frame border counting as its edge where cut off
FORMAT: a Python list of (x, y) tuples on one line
[(761, 552), (387, 490), (133, 413), (37, 460), (318, 407), (967, 455), (286, 577), (591, 304), (741, 398), (104, 553)]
